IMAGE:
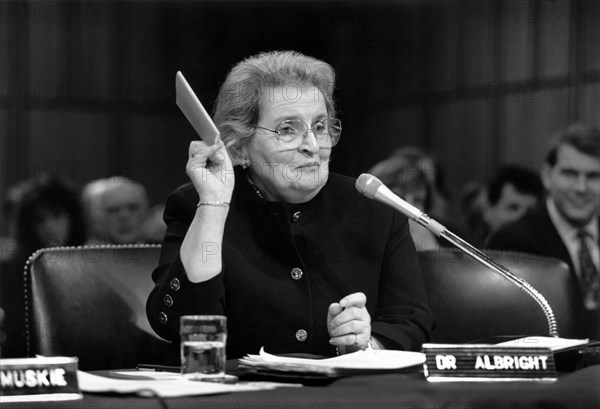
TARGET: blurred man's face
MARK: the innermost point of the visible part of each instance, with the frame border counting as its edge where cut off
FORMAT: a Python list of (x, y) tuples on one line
[(124, 210), (510, 207), (573, 183)]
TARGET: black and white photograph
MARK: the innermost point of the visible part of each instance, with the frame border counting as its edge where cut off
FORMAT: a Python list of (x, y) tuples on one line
[(320, 204)]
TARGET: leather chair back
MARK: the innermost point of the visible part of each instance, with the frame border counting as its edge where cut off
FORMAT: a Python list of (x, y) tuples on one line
[(471, 302), (90, 302)]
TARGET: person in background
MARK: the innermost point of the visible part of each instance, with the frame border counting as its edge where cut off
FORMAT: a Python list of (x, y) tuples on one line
[(414, 175), (511, 192), (566, 224), (403, 173), (9, 208), (117, 208), (124, 205), (90, 196), (414, 159), (48, 213), (473, 202), (293, 255)]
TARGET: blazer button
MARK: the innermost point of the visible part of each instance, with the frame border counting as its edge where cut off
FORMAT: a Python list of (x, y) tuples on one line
[(296, 216), (175, 284), (301, 335), (296, 273), (162, 318), (168, 300)]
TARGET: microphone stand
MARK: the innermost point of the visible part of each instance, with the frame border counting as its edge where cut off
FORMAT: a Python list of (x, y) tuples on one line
[(439, 230), (372, 188)]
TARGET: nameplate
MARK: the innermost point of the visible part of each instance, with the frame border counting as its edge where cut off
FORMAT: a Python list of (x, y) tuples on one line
[(477, 362), (38, 379)]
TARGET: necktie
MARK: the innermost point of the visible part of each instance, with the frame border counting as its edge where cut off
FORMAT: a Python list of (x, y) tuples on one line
[(590, 278)]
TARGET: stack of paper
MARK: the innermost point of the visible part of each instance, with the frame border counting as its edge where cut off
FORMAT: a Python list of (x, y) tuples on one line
[(369, 361), (167, 385)]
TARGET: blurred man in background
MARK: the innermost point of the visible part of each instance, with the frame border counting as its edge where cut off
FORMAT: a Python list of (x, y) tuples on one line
[(511, 192), (117, 208)]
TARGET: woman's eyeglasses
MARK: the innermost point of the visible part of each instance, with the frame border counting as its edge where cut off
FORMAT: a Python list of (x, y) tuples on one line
[(292, 131)]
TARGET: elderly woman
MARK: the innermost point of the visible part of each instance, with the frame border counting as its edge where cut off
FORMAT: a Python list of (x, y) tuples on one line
[(294, 256)]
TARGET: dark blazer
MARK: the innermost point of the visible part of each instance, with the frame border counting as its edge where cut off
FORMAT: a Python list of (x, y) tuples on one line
[(535, 233), (283, 264)]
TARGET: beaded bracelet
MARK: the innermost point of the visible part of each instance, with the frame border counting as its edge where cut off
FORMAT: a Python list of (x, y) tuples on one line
[(219, 204)]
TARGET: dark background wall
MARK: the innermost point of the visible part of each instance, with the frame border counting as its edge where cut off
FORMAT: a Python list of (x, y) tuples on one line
[(87, 88)]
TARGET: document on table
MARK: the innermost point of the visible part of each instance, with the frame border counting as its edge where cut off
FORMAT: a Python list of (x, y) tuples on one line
[(166, 385), (367, 361), (555, 344)]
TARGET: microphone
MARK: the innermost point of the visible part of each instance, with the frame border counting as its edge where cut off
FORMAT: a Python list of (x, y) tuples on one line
[(371, 187)]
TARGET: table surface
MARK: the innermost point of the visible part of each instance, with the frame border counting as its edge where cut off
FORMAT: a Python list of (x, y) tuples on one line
[(579, 389)]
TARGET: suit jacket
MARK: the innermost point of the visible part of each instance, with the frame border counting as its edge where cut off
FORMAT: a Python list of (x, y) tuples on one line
[(535, 233), (283, 264)]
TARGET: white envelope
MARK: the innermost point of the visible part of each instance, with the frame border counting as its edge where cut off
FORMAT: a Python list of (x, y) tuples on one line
[(193, 110)]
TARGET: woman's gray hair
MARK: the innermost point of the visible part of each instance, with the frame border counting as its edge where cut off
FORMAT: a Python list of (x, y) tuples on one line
[(238, 105)]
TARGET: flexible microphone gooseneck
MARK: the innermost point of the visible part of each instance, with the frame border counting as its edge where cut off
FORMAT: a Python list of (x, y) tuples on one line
[(373, 188)]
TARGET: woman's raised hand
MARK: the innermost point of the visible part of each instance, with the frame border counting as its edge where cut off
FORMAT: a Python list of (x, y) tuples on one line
[(211, 171)]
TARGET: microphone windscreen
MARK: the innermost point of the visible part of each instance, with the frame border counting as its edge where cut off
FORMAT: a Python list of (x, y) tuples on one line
[(367, 185)]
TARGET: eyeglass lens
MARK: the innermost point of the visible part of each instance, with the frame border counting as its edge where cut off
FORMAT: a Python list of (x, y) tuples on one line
[(327, 130)]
